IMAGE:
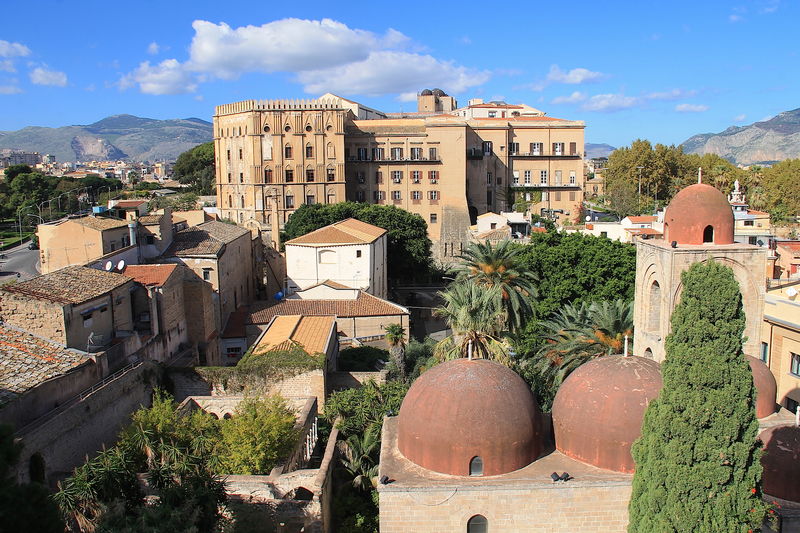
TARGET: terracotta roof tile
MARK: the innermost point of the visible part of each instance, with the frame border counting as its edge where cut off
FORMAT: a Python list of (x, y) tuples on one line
[(100, 223), (151, 220), (27, 360), (365, 304), (208, 238), (129, 204), (150, 274), (349, 231), (642, 219), (237, 324), (310, 332), (72, 284)]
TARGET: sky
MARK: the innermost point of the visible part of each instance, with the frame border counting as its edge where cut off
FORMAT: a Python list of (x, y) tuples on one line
[(662, 71)]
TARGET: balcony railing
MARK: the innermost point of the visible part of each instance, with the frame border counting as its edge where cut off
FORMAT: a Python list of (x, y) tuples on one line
[(545, 185), (564, 155), (354, 159)]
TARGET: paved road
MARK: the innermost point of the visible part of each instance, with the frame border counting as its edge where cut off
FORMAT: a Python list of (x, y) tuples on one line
[(20, 261)]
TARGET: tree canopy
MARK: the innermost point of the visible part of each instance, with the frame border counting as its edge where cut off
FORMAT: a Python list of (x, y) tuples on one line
[(196, 167), (698, 460), (409, 248)]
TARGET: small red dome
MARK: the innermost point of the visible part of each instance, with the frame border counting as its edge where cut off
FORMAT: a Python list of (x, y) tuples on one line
[(699, 214), (781, 462), (766, 387), (598, 411), (465, 409)]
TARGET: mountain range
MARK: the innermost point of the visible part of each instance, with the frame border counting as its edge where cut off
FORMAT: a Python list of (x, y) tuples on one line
[(766, 141), (112, 138), (598, 150)]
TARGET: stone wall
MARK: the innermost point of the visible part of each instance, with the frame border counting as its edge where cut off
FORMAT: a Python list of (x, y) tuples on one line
[(353, 380), (45, 319)]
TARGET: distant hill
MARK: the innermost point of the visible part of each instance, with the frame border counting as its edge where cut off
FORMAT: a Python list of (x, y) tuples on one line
[(115, 137), (761, 142), (598, 150)]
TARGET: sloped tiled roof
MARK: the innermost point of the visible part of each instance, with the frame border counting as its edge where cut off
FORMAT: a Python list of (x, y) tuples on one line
[(152, 275), (129, 204), (27, 360), (642, 219), (365, 304), (236, 326), (310, 332), (72, 284), (151, 220), (349, 231), (100, 223), (208, 238)]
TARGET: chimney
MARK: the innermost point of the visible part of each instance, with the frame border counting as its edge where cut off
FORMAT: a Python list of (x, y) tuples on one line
[(132, 232)]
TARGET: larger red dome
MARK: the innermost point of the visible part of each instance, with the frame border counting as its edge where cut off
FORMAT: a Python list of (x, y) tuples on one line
[(766, 387), (465, 409), (699, 214), (781, 462), (598, 411)]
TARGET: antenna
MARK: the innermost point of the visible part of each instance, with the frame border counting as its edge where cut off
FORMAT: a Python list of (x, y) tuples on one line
[(121, 265), (109, 266)]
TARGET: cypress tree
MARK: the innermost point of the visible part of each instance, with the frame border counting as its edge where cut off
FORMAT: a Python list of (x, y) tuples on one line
[(698, 460)]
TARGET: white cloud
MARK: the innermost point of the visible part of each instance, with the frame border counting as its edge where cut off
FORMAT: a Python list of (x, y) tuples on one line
[(387, 72), (674, 94), (735, 18), (7, 66), (153, 48), (573, 98), (288, 45), (769, 7), (574, 76), (691, 108), (8, 49), (610, 102), (44, 76), (9, 89), (167, 77), (410, 96), (740, 118)]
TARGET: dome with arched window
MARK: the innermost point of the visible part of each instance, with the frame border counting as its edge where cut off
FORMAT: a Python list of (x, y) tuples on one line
[(470, 418), (699, 214)]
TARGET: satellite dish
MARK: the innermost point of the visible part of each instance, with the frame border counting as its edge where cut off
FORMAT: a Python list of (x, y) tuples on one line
[(791, 292), (121, 265), (588, 218), (109, 265)]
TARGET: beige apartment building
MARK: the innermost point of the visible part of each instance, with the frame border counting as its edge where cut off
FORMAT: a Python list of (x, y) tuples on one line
[(446, 164)]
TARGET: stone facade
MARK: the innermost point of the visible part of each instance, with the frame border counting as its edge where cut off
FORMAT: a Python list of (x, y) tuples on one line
[(78, 241), (658, 289)]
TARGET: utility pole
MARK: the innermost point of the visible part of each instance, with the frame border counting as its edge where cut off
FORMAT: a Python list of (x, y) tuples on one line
[(639, 198)]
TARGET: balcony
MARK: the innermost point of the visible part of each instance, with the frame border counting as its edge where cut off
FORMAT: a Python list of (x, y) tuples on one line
[(475, 153), (389, 160), (520, 186), (542, 155)]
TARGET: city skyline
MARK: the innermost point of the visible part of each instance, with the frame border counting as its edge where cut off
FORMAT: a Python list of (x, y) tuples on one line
[(658, 72)]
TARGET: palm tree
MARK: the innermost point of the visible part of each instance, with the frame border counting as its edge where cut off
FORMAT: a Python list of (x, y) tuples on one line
[(359, 457), (579, 333), (396, 337), (498, 265), (475, 316)]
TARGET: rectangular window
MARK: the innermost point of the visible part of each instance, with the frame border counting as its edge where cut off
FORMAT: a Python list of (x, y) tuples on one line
[(241, 177), (361, 177), (379, 195), (310, 200), (765, 352), (359, 196), (513, 148), (416, 175), (515, 179), (309, 174), (571, 196), (416, 195), (557, 196), (433, 175), (558, 177), (489, 198), (492, 114), (397, 195), (206, 274), (543, 177), (377, 154), (362, 154), (240, 153), (229, 178), (432, 154), (267, 175), (792, 405), (527, 177), (331, 174), (416, 154), (434, 218), (558, 148), (572, 177), (358, 253), (487, 147), (378, 176), (433, 195), (488, 178), (397, 176), (287, 152), (289, 175), (748, 222), (573, 148), (499, 180), (397, 154), (536, 148), (795, 368), (229, 155), (151, 239), (309, 151), (289, 202), (752, 240)]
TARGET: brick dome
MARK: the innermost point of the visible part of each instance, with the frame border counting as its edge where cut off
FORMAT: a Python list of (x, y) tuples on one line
[(464, 409), (598, 411), (766, 387), (699, 214), (781, 462)]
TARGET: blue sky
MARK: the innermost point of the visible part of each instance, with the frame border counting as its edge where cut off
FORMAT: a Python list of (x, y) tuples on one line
[(657, 70)]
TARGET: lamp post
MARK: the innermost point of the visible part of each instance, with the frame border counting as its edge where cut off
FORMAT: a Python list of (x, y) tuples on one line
[(639, 198)]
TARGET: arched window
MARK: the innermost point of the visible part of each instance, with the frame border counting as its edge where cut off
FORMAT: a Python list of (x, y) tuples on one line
[(654, 307), (230, 201), (227, 416), (309, 150), (476, 466), (648, 353), (708, 234), (242, 201), (36, 469), (477, 524), (331, 151), (287, 151), (327, 257)]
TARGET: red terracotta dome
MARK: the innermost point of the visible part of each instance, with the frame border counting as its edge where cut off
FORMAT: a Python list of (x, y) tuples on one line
[(699, 214), (465, 409), (598, 411), (766, 387), (781, 462)]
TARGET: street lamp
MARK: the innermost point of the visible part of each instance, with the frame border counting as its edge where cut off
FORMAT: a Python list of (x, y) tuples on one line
[(639, 199)]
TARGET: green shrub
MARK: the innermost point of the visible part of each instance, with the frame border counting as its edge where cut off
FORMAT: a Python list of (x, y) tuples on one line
[(361, 359)]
